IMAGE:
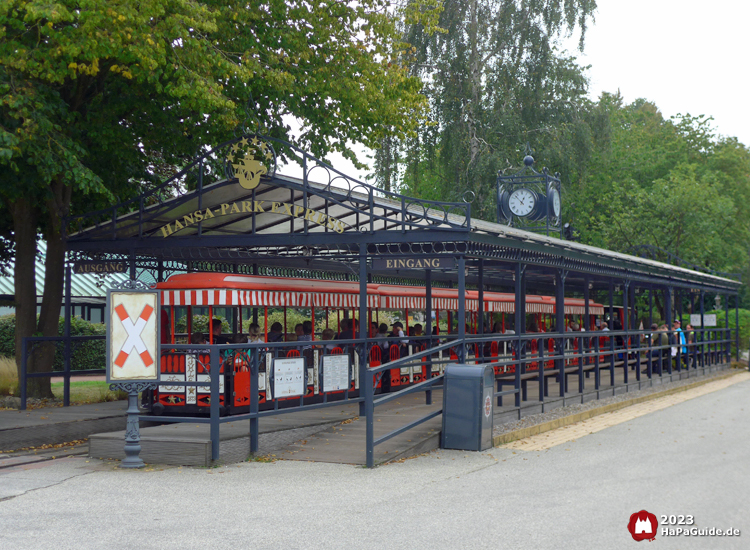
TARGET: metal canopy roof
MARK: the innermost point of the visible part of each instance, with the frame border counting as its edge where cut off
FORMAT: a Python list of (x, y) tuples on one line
[(221, 218), (86, 287)]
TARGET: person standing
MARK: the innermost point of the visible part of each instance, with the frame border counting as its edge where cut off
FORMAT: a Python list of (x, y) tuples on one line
[(680, 340)]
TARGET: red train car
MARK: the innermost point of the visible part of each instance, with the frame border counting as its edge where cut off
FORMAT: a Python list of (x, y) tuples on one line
[(238, 295)]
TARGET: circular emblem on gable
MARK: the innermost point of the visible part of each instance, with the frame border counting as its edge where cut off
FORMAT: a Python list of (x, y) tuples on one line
[(249, 159)]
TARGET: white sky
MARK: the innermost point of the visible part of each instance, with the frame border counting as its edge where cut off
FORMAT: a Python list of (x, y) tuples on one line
[(686, 56)]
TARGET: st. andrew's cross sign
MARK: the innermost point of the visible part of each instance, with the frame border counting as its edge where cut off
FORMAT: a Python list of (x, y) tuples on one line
[(132, 335), (132, 353)]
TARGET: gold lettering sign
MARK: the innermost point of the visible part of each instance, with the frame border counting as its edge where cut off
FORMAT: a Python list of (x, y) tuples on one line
[(413, 263), (248, 207), (99, 267)]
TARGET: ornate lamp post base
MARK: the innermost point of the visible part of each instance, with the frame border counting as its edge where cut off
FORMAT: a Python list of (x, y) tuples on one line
[(132, 430)]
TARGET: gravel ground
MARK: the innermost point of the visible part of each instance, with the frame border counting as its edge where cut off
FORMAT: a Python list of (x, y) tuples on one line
[(560, 412)]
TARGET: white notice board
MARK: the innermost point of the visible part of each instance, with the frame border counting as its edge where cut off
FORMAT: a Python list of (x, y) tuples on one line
[(708, 320), (289, 377), (335, 372)]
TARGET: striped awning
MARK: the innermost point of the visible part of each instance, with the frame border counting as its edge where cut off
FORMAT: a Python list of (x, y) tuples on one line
[(581, 310), (500, 307), (259, 298), (533, 307), (419, 303), (403, 302), (280, 298)]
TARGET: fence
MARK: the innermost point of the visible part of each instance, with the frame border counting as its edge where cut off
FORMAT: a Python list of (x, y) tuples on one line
[(65, 357), (525, 358)]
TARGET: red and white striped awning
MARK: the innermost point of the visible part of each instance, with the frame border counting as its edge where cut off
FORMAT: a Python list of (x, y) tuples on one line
[(534, 307), (419, 303), (344, 301), (256, 298), (329, 298), (451, 304), (500, 307), (581, 310), (403, 302)]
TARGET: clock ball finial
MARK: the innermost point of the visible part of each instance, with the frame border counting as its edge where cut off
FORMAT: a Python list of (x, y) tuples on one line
[(528, 160)]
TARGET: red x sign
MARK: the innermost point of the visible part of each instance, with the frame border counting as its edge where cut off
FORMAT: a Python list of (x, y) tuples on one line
[(134, 330)]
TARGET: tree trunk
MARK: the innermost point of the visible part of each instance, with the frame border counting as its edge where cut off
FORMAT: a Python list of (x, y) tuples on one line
[(25, 230), (54, 272)]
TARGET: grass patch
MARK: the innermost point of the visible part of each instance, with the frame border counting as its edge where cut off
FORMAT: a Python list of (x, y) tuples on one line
[(88, 391), (8, 376)]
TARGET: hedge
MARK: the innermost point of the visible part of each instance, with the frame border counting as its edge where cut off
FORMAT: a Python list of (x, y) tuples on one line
[(720, 321), (84, 356)]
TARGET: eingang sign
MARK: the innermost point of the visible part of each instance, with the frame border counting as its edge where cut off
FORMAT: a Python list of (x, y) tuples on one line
[(386, 264)]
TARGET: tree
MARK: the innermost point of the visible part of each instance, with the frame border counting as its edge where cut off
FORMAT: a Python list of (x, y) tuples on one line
[(97, 97), (495, 81)]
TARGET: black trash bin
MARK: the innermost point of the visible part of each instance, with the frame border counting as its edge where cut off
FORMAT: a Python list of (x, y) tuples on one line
[(467, 407)]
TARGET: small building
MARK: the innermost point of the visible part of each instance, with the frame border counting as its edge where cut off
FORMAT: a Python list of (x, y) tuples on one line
[(89, 289)]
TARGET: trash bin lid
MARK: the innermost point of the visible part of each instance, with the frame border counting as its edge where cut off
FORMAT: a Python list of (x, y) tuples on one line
[(465, 371)]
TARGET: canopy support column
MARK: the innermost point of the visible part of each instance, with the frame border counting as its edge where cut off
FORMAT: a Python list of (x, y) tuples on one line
[(736, 326), (611, 326), (462, 308), (626, 328), (428, 330), (587, 325), (520, 319), (670, 328), (703, 334), (728, 345), (560, 327), (366, 382), (255, 309), (480, 307)]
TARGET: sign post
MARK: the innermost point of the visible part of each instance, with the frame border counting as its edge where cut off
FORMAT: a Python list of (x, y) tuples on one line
[(132, 353)]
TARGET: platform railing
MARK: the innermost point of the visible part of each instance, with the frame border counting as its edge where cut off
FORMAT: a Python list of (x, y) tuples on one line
[(532, 357), (32, 344)]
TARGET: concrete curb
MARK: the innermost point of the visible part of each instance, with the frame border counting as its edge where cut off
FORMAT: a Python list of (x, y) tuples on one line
[(523, 433)]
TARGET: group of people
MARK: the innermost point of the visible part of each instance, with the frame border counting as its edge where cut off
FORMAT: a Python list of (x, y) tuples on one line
[(303, 332), (674, 343), (661, 337)]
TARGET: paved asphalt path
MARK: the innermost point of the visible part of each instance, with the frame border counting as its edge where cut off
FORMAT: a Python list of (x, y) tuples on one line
[(690, 459)]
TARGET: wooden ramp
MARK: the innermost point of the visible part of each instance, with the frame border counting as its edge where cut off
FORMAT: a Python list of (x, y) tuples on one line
[(333, 434), (345, 443)]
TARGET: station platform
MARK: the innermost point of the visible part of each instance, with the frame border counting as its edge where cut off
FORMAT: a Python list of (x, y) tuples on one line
[(53, 425), (335, 434)]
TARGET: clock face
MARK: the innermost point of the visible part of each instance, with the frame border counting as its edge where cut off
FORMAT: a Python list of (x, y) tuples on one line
[(555, 202), (521, 202)]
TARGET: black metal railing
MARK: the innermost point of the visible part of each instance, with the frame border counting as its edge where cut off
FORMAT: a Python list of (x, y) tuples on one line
[(64, 362), (518, 359)]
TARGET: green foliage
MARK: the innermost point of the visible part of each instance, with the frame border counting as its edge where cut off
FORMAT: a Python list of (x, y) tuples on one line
[(299, 316), (100, 100), (83, 85), (721, 323), (495, 81), (84, 356), (200, 324), (663, 182)]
